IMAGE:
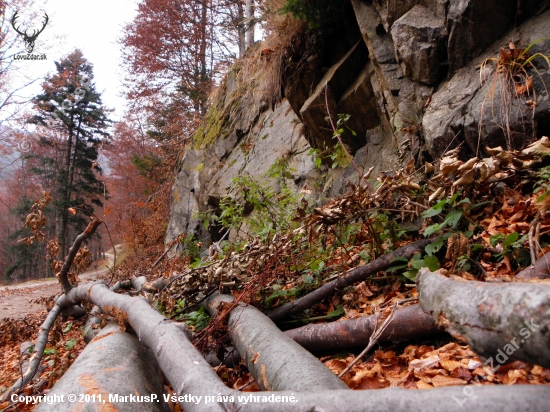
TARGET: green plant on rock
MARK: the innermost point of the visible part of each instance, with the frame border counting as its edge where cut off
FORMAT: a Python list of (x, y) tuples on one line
[(191, 248), (262, 205)]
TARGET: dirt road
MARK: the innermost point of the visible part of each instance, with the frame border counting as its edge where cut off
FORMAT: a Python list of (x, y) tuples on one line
[(14, 299)]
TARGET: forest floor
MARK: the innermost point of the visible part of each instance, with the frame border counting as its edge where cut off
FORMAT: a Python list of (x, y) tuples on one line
[(19, 300)]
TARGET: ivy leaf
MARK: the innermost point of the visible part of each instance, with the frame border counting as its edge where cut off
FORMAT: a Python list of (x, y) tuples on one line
[(435, 209), (430, 230), (411, 274), (510, 239), (339, 311)]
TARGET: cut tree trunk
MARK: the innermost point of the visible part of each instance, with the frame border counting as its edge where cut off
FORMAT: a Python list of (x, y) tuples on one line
[(276, 361), (407, 323), (354, 276), (113, 363), (502, 321)]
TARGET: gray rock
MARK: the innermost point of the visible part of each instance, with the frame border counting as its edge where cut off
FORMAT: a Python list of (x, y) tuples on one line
[(473, 25), (338, 81), (205, 177), (419, 38), (464, 109)]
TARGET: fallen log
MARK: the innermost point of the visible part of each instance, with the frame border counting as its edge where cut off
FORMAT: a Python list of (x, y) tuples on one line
[(502, 321), (539, 270), (191, 376), (407, 323), (93, 317), (276, 361), (354, 276), (112, 368)]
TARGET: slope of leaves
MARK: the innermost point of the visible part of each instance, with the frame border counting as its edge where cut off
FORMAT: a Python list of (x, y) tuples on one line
[(65, 344)]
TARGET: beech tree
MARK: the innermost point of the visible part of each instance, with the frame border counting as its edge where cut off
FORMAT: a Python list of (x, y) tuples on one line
[(167, 49), (175, 49), (71, 108)]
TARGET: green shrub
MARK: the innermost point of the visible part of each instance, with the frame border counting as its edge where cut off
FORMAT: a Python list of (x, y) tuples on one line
[(316, 13)]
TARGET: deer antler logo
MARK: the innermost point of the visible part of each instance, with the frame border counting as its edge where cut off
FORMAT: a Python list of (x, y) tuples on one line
[(29, 40)]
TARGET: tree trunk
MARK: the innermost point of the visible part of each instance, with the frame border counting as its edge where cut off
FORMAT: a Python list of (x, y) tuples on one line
[(502, 321), (250, 23), (407, 323), (276, 361), (113, 363), (189, 374), (241, 28)]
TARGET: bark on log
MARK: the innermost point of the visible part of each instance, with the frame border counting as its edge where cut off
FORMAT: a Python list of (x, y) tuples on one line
[(540, 270), (357, 275), (93, 317), (113, 363), (407, 323), (156, 285), (276, 361), (502, 321), (75, 312), (189, 374)]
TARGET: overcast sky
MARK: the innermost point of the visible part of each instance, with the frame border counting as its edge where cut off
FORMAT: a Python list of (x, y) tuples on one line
[(92, 26)]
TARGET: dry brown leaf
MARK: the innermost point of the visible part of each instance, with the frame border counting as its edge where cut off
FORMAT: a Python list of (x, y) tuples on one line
[(420, 364), (422, 384), (462, 373), (439, 381), (449, 165), (450, 365), (371, 383)]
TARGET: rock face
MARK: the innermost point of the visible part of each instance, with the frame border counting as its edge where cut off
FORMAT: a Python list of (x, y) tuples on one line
[(407, 72), (488, 113), (419, 38), (206, 175)]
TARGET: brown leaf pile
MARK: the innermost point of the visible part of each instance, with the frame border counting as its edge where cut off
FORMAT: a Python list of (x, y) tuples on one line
[(65, 338), (424, 367)]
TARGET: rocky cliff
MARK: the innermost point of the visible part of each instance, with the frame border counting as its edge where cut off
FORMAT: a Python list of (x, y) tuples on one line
[(416, 77)]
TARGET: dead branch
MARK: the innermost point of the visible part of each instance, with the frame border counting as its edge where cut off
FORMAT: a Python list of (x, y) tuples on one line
[(408, 322), (276, 361), (357, 275), (506, 321), (372, 341), (63, 273)]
